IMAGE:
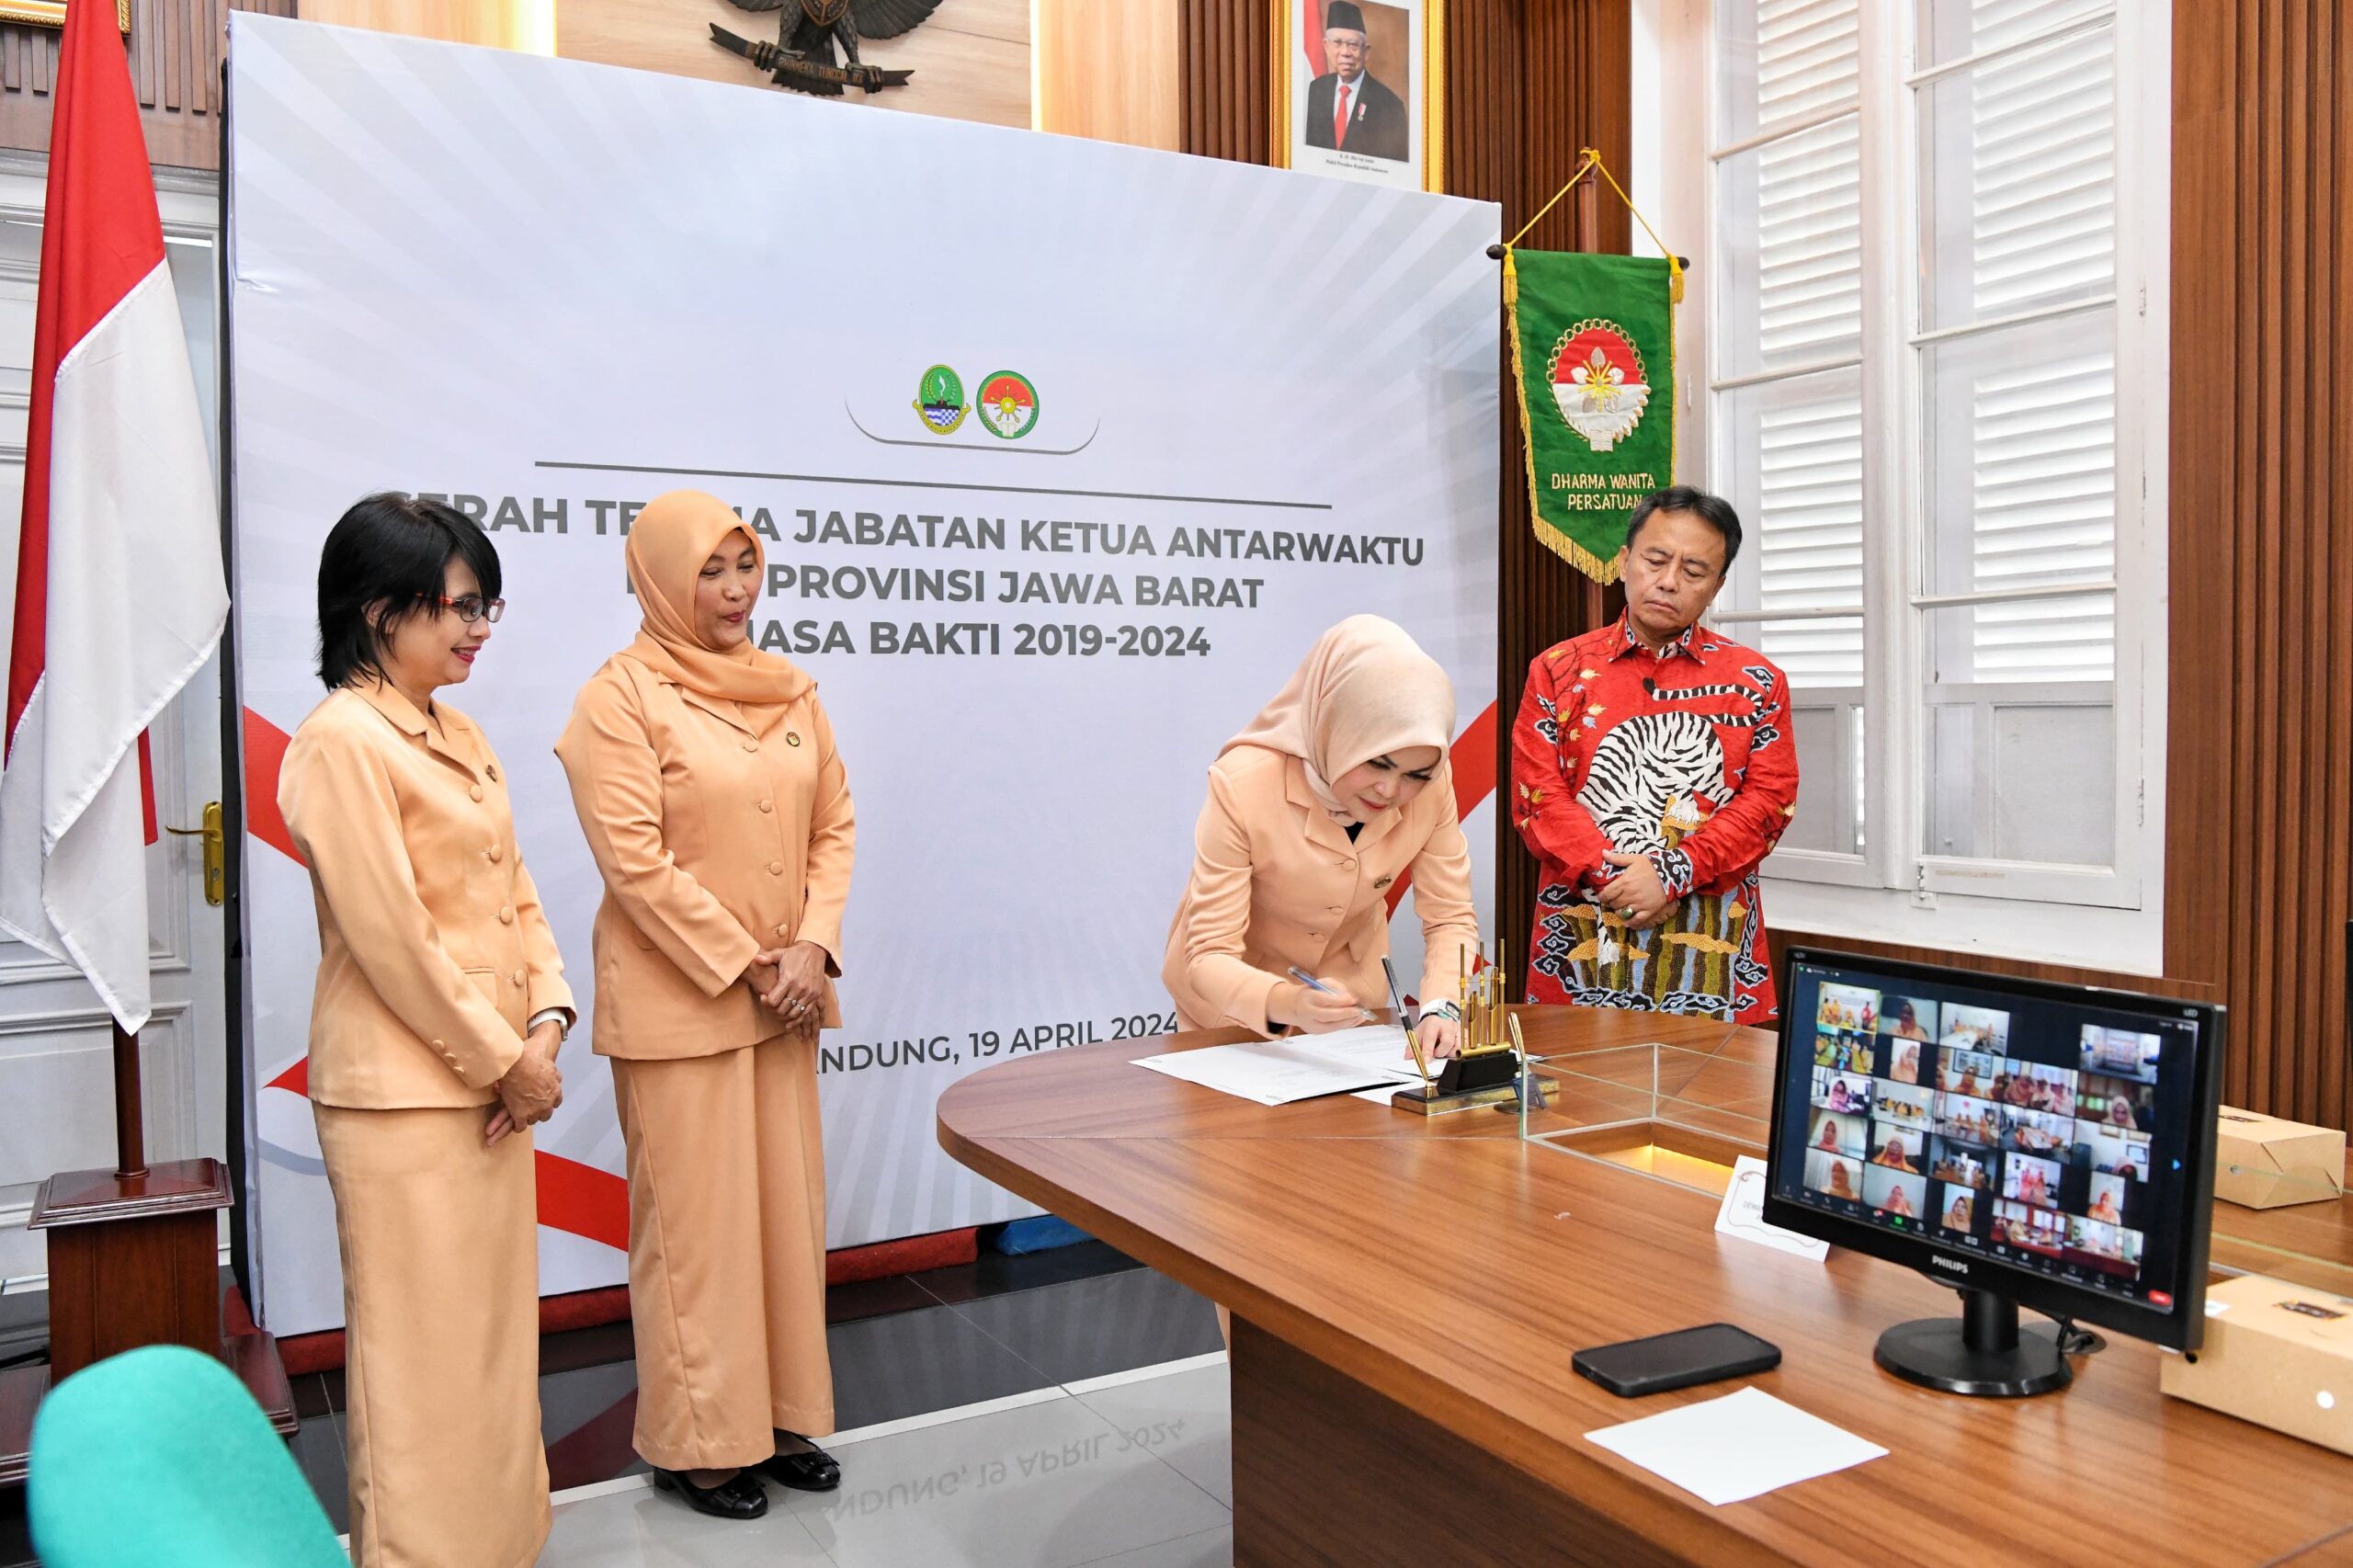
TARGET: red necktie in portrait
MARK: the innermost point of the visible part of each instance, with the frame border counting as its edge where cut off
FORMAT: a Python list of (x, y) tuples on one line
[(1339, 114)]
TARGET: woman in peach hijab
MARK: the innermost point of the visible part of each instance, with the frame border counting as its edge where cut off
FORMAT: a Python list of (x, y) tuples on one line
[(705, 776), (1314, 810)]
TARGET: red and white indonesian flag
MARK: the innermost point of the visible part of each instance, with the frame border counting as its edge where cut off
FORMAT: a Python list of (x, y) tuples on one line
[(119, 594)]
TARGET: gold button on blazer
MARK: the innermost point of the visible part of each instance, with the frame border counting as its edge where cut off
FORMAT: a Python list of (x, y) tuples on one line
[(723, 829), (1277, 882), (434, 951)]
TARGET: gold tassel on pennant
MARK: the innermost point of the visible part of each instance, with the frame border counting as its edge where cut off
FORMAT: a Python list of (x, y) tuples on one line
[(1587, 470)]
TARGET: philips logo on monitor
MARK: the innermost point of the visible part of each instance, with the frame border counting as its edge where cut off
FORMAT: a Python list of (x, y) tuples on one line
[(1954, 1264)]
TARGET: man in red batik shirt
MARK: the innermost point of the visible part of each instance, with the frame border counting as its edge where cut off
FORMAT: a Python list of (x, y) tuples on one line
[(1653, 769)]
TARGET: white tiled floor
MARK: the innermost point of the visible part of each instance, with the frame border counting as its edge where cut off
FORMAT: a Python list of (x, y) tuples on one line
[(1128, 1471)]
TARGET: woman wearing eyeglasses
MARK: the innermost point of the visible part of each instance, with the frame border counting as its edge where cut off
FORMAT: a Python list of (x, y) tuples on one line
[(706, 780), (434, 1031)]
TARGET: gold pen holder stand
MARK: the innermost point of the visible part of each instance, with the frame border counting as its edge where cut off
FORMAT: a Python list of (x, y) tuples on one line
[(1492, 1065), (1489, 1078)]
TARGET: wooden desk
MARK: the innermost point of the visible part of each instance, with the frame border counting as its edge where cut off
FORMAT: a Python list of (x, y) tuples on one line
[(1407, 1294)]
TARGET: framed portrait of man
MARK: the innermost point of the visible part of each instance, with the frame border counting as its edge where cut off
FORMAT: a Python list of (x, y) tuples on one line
[(51, 13), (1357, 89)]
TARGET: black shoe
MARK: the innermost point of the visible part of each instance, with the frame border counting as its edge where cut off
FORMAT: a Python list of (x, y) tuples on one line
[(740, 1496), (812, 1469)]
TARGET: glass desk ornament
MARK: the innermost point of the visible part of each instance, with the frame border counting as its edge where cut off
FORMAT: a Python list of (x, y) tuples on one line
[(1681, 1113)]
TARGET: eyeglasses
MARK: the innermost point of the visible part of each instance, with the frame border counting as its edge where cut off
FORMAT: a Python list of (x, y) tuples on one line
[(470, 607)]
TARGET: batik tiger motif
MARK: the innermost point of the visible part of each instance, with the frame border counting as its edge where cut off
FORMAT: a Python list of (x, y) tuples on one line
[(1644, 766)]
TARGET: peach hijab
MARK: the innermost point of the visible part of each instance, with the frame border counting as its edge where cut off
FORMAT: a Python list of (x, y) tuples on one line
[(1364, 690), (672, 538)]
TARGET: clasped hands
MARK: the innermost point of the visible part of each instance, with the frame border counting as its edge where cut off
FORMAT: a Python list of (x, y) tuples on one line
[(1635, 892), (532, 1088), (1311, 1011), (790, 981)]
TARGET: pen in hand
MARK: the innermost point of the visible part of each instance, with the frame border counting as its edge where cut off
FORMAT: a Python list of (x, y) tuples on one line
[(1397, 1004), (1315, 984)]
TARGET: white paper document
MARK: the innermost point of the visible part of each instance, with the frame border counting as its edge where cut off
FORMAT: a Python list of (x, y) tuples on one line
[(1278, 1071), (1742, 1446), (1742, 1214), (1367, 1045)]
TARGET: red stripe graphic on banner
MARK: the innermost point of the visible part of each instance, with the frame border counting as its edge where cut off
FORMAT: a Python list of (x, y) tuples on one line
[(1473, 765), (265, 755), (582, 1200)]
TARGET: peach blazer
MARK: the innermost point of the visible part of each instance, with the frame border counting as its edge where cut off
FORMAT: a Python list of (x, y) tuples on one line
[(433, 950), (1277, 882), (722, 829)]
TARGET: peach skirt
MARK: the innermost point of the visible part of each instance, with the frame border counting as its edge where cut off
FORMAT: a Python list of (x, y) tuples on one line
[(727, 1252), (441, 1322)]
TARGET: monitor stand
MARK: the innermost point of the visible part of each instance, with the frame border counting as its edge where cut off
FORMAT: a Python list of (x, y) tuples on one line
[(1980, 1352)]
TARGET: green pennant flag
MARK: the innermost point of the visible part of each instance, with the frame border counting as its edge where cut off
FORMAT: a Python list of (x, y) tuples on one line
[(1593, 350)]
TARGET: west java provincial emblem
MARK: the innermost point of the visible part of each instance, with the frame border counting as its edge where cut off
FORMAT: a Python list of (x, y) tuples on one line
[(940, 398), (1598, 381)]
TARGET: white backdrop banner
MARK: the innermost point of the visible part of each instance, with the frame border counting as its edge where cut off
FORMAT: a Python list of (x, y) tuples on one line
[(1064, 453)]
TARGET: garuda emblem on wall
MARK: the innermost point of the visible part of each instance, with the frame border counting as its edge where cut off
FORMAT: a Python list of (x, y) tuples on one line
[(802, 55)]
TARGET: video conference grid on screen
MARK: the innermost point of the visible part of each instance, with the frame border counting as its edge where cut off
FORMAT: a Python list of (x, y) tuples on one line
[(2028, 1130)]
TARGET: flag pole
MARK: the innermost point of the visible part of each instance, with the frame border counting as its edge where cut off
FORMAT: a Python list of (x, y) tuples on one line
[(117, 507), (130, 1122)]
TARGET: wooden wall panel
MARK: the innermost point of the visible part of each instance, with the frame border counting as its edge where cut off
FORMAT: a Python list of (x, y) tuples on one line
[(2260, 686), (1109, 72), (1223, 54), (176, 47), (525, 25)]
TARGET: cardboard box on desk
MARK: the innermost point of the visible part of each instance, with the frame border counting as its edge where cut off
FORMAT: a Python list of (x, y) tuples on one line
[(2261, 1162), (2276, 1354)]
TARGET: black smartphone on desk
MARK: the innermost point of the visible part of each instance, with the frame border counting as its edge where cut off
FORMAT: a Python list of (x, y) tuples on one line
[(1676, 1360)]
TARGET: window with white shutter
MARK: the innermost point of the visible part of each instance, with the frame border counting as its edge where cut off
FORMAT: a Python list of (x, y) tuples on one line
[(1933, 388), (2016, 333), (1786, 272)]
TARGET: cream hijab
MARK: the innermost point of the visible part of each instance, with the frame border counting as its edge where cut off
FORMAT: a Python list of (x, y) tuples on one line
[(1364, 690), (672, 537)]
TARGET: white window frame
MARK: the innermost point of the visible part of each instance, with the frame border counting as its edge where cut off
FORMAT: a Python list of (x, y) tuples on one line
[(2110, 919)]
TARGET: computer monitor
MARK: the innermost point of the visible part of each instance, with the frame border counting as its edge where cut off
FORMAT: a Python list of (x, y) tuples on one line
[(2025, 1143)]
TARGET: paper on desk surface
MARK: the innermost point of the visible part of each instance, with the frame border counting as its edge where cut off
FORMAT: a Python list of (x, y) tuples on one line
[(1742, 1446), (1742, 1214), (1278, 1071)]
